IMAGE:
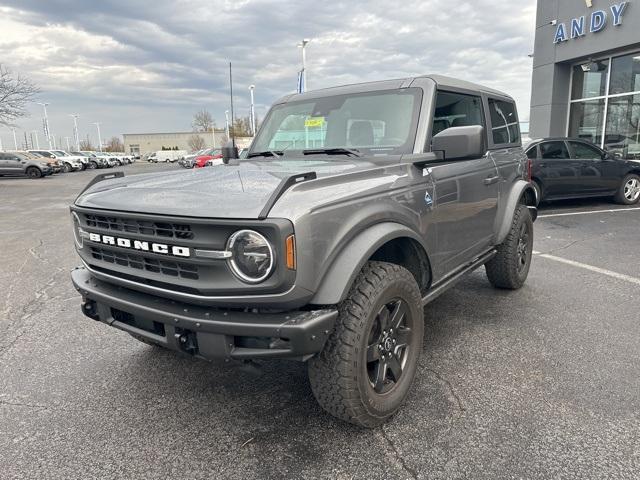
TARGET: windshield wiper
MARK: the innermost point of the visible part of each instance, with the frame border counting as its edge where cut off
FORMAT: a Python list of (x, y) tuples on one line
[(268, 153), (333, 151)]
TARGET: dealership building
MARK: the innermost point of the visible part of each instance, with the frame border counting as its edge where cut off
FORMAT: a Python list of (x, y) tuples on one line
[(142, 143), (586, 73)]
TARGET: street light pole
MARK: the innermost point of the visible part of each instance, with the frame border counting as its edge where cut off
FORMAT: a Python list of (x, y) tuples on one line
[(47, 133), (97, 124), (37, 141), (76, 137), (253, 111), (68, 147), (15, 139), (303, 45), (226, 121)]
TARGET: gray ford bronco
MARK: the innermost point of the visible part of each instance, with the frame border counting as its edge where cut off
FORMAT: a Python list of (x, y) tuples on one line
[(355, 207)]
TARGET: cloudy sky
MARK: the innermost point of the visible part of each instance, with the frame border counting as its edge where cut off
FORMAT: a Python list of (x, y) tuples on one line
[(141, 66)]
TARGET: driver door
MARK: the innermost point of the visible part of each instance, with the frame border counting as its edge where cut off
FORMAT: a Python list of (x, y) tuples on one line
[(465, 191)]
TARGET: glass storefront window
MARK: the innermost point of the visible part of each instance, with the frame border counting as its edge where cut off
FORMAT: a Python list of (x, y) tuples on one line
[(587, 120), (592, 82), (625, 74), (623, 127)]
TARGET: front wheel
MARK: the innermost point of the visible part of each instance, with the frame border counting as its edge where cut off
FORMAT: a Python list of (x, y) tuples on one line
[(34, 172), (629, 191), (510, 267), (66, 167), (367, 367), (93, 165)]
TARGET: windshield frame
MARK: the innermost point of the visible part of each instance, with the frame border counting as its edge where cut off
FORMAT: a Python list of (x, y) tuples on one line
[(381, 152)]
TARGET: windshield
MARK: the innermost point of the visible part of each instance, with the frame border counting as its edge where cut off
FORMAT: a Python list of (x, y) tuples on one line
[(377, 123), (60, 153)]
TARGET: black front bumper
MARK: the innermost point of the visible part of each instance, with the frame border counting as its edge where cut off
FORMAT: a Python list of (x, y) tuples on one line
[(201, 331)]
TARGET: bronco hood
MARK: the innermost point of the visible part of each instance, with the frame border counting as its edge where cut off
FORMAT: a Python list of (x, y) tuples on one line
[(224, 191)]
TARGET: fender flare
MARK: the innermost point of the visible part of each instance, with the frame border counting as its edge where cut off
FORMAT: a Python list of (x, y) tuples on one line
[(339, 277), (520, 189)]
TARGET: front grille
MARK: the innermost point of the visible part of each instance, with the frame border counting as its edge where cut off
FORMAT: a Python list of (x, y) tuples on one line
[(139, 262), (129, 225)]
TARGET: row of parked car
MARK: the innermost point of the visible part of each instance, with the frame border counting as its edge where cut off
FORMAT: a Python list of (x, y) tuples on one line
[(207, 157), (40, 163)]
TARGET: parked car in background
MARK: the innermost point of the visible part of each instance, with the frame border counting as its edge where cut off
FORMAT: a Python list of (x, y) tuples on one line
[(81, 158), (211, 154), (54, 163), (563, 168), (166, 156), (91, 162), (101, 161), (188, 160), (20, 164), (69, 164)]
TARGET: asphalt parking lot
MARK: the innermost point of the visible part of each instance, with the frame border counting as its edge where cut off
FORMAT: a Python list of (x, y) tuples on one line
[(539, 383)]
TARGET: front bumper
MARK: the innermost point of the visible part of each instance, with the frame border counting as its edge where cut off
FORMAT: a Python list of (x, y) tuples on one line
[(202, 331)]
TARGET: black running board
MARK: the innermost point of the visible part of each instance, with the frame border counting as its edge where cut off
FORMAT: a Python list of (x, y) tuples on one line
[(450, 281)]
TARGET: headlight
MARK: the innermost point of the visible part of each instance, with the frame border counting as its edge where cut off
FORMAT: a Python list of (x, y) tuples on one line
[(77, 230), (252, 258)]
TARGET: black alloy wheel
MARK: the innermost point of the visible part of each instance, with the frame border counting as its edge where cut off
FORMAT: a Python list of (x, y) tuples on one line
[(388, 350)]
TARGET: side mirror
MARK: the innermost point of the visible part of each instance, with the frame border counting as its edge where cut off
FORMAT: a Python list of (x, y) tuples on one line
[(229, 152), (457, 143)]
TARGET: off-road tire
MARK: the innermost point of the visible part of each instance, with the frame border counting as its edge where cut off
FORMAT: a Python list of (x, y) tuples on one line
[(620, 197), (339, 375), (506, 270)]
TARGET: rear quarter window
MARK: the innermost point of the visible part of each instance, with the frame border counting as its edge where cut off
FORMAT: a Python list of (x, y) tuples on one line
[(505, 128)]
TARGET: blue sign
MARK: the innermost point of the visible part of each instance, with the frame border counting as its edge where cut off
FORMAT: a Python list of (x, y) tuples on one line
[(596, 23)]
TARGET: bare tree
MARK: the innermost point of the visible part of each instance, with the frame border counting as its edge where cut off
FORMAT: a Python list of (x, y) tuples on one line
[(196, 142), (114, 145), (15, 93), (85, 145), (203, 121)]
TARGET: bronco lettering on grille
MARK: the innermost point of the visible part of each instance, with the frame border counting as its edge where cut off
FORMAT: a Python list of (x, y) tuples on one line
[(160, 248)]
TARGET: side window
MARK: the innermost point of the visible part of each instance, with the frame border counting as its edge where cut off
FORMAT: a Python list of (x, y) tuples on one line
[(532, 153), (554, 151), (582, 151), (456, 110), (504, 122)]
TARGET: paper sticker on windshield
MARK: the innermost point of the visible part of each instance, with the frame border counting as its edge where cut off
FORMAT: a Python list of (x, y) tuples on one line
[(314, 122)]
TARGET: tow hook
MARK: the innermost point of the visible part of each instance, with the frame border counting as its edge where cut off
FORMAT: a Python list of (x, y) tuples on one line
[(186, 340), (89, 308)]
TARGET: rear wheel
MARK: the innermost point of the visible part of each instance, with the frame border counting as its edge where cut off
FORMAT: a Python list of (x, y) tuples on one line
[(538, 189), (34, 172), (510, 267), (66, 167), (629, 191), (365, 372)]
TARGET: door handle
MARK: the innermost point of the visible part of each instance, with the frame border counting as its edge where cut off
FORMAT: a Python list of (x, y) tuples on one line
[(491, 180)]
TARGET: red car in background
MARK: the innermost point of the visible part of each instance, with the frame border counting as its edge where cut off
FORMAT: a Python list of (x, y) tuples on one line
[(201, 161)]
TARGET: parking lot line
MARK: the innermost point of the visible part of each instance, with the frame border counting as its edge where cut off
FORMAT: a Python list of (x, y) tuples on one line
[(584, 266), (615, 210)]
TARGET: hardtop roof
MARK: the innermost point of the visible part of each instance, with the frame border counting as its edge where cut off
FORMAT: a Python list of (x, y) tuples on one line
[(441, 81)]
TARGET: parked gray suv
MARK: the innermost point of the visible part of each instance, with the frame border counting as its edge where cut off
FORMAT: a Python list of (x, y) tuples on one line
[(355, 207), (14, 164)]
